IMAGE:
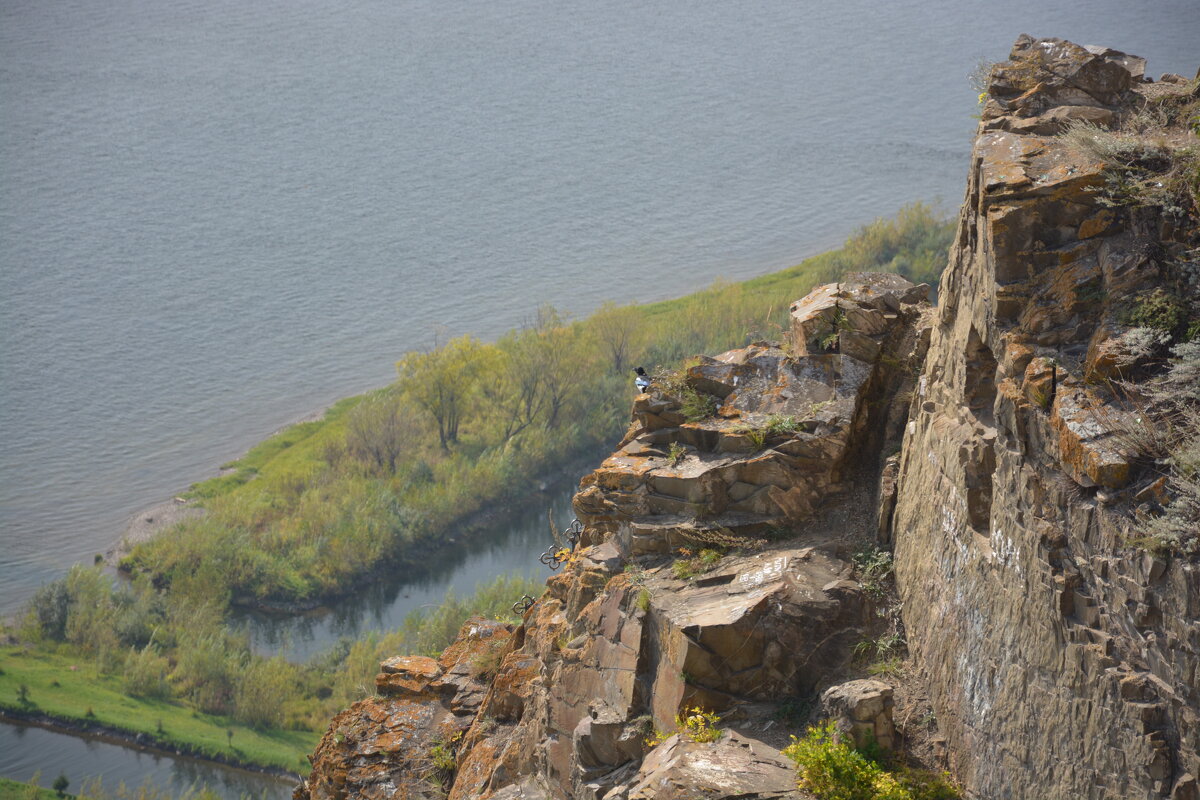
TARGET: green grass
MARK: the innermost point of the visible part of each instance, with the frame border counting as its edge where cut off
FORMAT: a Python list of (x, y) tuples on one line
[(58, 691), (295, 448), (15, 790)]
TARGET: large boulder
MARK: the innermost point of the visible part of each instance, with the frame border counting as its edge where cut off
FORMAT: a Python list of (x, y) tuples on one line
[(861, 711), (735, 767)]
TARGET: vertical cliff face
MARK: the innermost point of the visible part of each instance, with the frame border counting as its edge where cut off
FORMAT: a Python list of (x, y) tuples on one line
[(1062, 660), (1060, 656)]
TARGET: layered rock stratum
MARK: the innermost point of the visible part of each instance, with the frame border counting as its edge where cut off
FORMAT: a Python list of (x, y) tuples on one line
[(1058, 659)]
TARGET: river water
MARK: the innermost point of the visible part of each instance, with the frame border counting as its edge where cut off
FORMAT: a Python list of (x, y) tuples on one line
[(217, 216), (26, 750), (510, 547)]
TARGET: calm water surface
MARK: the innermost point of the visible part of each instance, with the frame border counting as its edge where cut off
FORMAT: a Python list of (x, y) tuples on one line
[(26, 750)]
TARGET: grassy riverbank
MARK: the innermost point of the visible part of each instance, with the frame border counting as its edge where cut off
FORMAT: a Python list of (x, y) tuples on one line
[(386, 476), (15, 790), (96, 790), (74, 692), (132, 661)]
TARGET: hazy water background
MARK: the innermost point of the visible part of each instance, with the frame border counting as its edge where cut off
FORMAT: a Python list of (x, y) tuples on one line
[(217, 216)]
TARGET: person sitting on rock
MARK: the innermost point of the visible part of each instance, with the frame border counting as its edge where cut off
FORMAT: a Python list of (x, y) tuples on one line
[(642, 381)]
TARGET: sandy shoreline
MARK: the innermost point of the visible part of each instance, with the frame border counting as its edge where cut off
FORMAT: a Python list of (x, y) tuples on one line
[(150, 522)]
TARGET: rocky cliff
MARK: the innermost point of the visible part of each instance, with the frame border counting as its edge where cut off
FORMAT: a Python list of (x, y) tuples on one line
[(1061, 661), (985, 439)]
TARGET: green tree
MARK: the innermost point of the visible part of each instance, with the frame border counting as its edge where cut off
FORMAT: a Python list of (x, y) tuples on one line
[(60, 784), (515, 391), (380, 430), (618, 330), (555, 356), (262, 690), (145, 674), (442, 382)]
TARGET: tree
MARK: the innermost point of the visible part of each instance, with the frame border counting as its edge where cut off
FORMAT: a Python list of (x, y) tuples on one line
[(513, 388), (379, 431), (555, 357), (442, 382), (60, 784), (619, 332), (262, 690)]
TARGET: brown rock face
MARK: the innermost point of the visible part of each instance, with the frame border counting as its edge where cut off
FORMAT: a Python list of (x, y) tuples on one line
[(596, 670), (382, 747), (861, 710), (1063, 662), (782, 439)]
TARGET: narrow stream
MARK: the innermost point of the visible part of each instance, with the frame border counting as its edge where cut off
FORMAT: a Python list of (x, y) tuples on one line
[(27, 749), (511, 547)]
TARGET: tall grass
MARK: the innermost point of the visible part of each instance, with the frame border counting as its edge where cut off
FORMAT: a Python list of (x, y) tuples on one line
[(147, 661)]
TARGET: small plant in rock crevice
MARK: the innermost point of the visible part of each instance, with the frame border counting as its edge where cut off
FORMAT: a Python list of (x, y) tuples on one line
[(694, 404), (691, 565), (1143, 166), (643, 600), (676, 453), (696, 723), (486, 663), (1175, 526), (875, 569)]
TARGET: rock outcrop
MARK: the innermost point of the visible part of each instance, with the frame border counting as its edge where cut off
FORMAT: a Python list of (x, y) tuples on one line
[(789, 419), (384, 746), (712, 571), (1062, 662)]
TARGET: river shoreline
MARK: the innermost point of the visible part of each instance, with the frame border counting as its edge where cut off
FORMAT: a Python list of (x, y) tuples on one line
[(134, 740), (145, 524), (161, 517), (466, 530)]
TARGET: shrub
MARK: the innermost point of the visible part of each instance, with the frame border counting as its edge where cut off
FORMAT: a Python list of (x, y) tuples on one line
[(145, 674), (782, 425), (643, 600), (1141, 167), (874, 567), (486, 663), (1158, 310), (692, 565), (1177, 393), (262, 690), (693, 404), (833, 770), (699, 725), (46, 613)]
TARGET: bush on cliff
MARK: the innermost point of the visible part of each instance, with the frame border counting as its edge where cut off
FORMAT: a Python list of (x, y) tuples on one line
[(832, 770), (1177, 398)]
